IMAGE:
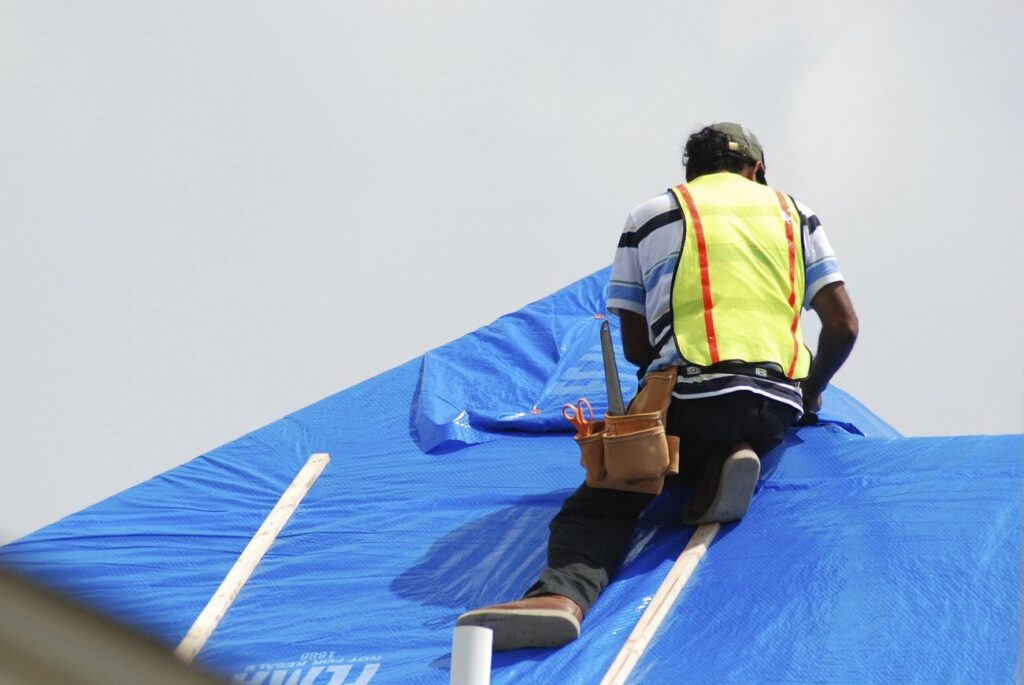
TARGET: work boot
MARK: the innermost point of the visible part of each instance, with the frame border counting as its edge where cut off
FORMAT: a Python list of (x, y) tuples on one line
[(725, 489), (544, 621)]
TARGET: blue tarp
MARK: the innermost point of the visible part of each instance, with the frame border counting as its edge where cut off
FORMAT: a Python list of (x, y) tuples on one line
[(866, 557)]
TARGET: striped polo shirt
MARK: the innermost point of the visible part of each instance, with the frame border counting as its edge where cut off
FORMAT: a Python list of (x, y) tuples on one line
[(641, 282)]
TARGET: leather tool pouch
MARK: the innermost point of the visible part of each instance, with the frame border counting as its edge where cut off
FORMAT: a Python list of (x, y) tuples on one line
[(632, 452)]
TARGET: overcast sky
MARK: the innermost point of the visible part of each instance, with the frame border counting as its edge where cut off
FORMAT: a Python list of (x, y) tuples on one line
[(216, 213)]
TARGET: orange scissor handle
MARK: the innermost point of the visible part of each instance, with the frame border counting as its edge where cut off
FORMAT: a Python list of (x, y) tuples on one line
[(579, 415)]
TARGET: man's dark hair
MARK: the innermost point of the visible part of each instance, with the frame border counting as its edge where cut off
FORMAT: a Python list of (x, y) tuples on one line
[(707, 152)]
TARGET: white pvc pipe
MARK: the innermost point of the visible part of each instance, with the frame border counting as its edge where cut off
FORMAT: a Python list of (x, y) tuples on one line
[(471, 655)]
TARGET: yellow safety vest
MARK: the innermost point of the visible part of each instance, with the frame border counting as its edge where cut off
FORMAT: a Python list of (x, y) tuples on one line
[(739, 285)]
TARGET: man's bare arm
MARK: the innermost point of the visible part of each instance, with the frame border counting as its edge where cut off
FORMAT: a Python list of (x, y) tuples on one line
[(839, 329), (635, 343)]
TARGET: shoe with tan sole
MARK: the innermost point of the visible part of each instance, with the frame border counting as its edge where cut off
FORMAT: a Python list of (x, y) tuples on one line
[(736, 481), (545, 621)]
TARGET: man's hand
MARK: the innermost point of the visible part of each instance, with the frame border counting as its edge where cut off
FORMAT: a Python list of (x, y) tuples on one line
[(812, 400)]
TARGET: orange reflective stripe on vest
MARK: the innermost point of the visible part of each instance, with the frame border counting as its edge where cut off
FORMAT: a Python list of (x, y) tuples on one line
[(705, 276), (788, 218)]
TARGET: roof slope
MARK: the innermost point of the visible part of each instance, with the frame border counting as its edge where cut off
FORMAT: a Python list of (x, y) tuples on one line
[(866, 557)]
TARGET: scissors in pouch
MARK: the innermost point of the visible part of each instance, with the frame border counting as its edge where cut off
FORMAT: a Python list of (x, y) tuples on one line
[(579, 415)]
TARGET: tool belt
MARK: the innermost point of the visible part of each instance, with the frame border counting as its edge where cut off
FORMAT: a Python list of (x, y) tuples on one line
[(632, 452)]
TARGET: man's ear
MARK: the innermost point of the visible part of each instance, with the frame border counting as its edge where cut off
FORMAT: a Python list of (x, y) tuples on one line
[(759, 173)]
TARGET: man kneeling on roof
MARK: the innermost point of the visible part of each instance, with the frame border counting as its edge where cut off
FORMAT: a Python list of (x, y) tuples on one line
[(708, 280)]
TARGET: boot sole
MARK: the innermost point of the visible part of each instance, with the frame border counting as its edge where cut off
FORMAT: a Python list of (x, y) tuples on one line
[(518, 628), (739, 478)]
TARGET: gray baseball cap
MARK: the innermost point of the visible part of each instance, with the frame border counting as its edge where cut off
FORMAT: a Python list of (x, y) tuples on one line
[(743, 141)]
